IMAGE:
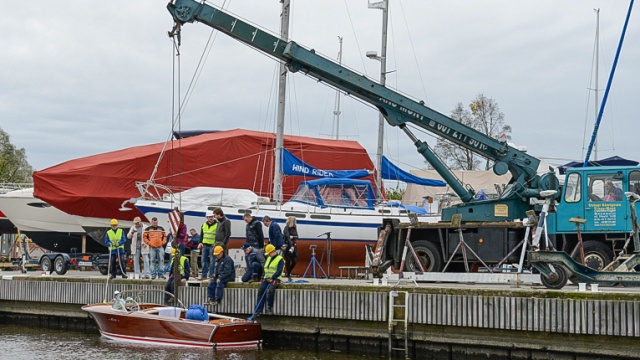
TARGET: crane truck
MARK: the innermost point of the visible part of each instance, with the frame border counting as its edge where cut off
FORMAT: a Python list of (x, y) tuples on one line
[(492, 228)]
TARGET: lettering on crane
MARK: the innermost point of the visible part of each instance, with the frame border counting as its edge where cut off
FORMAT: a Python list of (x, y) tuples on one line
[(443, 129), (477, 144), (387, 102)]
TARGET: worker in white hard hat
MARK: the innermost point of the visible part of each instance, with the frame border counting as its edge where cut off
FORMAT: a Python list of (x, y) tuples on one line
[(114, 239), (207, 241)]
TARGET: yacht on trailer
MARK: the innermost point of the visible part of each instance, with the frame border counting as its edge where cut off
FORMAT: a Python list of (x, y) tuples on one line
[(48, 227)]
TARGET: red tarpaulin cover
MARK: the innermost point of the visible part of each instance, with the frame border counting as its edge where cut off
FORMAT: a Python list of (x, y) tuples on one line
[(96, 186)]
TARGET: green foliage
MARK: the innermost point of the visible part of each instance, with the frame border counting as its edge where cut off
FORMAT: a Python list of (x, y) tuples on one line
[(395, 193), (14, 167)]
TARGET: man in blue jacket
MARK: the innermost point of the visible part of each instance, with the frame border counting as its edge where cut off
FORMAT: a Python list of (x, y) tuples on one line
[(114, 239), (275, 233), (224, 272), (254, 259)]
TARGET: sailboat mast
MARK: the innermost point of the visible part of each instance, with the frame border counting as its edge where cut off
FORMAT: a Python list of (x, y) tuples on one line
[(282, 91), (384, 6), (595, 144), (336, 111), (608, 87)]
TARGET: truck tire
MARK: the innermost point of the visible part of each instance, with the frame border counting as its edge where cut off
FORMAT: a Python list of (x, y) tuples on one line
[(596, 255), (103, 270), (429, 256), (559, 281), (60, 265), (45, 263)]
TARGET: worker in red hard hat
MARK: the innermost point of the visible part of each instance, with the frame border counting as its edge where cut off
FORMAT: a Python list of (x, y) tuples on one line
[(224, 272)]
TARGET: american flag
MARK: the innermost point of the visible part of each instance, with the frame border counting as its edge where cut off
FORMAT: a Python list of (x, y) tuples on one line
[(174, 220)]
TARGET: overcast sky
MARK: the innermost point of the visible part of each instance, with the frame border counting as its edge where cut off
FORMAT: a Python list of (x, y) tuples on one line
[(84, 77)]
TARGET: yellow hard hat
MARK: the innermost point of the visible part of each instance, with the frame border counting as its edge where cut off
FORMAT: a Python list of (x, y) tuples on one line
[(174, 251), (217, 250), (269, 249), (113, 222)]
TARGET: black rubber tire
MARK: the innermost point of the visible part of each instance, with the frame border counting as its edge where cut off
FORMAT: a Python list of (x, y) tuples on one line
[(597, 255), (103, 270), (559, 282), (60, 265), (45, 263), (429, 255)]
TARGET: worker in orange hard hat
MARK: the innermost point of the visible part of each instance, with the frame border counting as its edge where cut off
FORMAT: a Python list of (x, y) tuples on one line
[(224, 272), (114, 239)]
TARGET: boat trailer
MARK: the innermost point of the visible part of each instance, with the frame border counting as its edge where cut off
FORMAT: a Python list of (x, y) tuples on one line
[(557, 267)]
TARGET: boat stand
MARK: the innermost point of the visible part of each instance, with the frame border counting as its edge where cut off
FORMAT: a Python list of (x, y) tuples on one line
[(456, 221)]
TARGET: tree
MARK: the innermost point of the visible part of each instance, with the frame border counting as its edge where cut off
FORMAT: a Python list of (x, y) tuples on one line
[(14, 167), (483, 115), (395, 193)]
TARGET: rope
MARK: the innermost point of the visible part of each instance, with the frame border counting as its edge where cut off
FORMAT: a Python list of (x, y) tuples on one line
[(108, 276), (250, 318), (124, 273)]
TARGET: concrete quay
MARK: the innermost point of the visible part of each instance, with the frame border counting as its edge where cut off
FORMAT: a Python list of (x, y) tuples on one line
[(471, 320)]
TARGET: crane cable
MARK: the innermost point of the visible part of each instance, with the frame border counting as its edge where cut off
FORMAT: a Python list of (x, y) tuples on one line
[(176, 118)]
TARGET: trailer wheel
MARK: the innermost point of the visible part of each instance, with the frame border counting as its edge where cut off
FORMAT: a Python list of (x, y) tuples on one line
[(103, 270), (429, 256), (45, 263), (557, 281), (596, 255), (60, 265)]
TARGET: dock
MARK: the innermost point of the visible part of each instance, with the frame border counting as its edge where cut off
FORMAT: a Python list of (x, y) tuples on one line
[(427, 320)]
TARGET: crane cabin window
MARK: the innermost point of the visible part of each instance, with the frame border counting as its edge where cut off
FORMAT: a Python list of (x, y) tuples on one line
[(573, 188), (634, 182), (605, 187)]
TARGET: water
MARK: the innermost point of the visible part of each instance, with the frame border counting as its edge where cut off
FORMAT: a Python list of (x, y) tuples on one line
[(27, 342)]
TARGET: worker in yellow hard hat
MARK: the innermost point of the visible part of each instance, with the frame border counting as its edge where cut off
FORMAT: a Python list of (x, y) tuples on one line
[(273, 267), (114, 239), (184, 269), (224, 272)]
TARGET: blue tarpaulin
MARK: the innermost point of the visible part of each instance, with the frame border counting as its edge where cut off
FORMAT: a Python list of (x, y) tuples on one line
[(392, 172), (610, 161), (291, 165)]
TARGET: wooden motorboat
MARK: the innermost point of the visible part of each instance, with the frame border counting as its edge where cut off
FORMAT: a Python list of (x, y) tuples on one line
[(129, 318)]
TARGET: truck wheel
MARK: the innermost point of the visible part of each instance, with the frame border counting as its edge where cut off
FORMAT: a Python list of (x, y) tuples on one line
[(60, 265), (429, 256), (103, 270), (596, 255), (558, 281), (45, 263)]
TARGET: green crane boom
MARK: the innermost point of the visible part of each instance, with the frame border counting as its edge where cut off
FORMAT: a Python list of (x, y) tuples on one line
[(397, 109)]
